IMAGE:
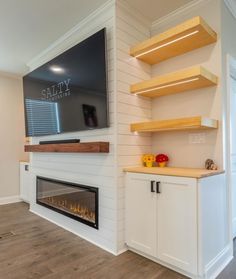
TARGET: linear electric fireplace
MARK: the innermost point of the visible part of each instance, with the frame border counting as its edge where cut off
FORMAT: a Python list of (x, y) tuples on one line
[(79, 202)]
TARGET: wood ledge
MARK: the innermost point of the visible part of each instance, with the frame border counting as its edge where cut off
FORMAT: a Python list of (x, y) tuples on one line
[(182, 172), (85, 147)]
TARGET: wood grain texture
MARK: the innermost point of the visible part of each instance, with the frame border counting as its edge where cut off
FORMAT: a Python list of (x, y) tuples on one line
[(166, 49), (188, 123), (182, 172), (181, 81), (85, 147), (40, 249)]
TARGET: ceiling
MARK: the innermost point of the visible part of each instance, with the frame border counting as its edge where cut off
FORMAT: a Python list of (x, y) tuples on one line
[(29, 27)]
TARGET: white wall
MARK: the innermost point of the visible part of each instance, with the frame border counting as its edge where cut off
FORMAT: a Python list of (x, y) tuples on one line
[(229, 49), (131, 28), (12, 136), (233, 148), (205, 102)]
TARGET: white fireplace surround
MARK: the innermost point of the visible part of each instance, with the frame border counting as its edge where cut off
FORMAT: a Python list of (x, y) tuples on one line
[(89, 169), (103, 171)]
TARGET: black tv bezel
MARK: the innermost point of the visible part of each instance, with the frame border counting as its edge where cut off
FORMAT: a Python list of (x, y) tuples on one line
[(106, 86)]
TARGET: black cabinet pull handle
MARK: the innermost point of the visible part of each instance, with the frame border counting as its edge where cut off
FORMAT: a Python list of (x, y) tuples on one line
[(158, 187), (152, 186)]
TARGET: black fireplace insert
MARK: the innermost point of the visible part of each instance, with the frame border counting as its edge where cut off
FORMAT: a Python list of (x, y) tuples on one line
[(76, 201)]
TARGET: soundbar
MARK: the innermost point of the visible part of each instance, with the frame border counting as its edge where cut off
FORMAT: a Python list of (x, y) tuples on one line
[(60, 141)]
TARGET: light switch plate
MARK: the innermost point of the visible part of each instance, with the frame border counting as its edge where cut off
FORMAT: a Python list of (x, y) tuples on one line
[(197, 138)]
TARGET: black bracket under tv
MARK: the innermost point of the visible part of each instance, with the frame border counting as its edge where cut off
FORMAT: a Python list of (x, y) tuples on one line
[(60, 141)]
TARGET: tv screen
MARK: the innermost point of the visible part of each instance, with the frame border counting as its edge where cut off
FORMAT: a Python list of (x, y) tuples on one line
[(69, 93)]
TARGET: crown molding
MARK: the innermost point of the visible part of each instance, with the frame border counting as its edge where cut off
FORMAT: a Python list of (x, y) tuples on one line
[(231, 5), (177, 13), (105, 7)]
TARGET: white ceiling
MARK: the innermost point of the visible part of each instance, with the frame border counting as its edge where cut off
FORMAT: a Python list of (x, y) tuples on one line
[(27, 27)]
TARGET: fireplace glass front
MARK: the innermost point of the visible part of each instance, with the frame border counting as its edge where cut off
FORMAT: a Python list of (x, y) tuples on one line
[(77, 201)]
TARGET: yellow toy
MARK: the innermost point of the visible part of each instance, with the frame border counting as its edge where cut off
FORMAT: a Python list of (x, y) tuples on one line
[(148, 160)]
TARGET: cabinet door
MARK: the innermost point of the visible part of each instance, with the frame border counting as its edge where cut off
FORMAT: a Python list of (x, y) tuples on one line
[(177, 222), (141, 218)]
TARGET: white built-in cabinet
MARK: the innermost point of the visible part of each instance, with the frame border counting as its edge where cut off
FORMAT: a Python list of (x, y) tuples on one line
[(141, 215), (161, 218), (164, 217)]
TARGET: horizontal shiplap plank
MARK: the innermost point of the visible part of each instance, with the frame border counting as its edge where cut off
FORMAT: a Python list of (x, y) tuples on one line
[(83, 169), (134, 23), (82, 159), (133, 36), (128, 78), (129, 109), (134, 100), (123, 46), (128, 119), (132, 61), (122, 36), (137, 72)]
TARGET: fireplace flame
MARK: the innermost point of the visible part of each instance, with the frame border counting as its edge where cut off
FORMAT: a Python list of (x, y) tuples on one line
[(71, 207)]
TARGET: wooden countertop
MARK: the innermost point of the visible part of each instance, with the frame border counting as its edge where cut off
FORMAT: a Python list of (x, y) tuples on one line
[(183, 172)]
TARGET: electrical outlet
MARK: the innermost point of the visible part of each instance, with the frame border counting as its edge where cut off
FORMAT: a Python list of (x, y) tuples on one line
[(197, 138)]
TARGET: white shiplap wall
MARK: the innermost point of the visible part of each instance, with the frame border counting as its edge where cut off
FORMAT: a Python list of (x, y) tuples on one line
[(125, 28), (130, 29), (97, 170)]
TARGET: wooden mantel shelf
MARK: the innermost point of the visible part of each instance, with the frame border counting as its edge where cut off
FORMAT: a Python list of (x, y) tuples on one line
[(187, 123), (181, 81), (187, 36), (182, 172), (84, 147)]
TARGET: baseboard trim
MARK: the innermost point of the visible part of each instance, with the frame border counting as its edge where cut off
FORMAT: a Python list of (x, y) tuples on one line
[(218, 264), (74, 232), (11, 199), (234, 227), (176, 269), (121, 251)]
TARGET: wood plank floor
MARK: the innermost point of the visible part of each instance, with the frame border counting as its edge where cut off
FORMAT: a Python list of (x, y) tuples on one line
[(40, 249)]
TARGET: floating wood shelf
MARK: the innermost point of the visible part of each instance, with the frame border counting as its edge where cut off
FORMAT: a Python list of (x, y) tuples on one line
[(197, 122), (190, 35), (85, 147), (183, 172), (184, 80)]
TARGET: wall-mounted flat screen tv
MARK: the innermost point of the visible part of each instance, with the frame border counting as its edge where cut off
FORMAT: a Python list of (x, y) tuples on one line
[(68, 93)]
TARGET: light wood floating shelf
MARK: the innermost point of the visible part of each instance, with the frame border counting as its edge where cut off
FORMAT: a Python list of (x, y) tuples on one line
[(183, 172), (181, 81), (190, 35), (188, 123), (85, 147)]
